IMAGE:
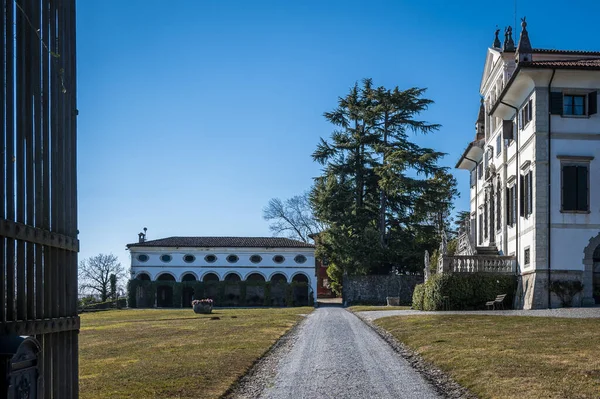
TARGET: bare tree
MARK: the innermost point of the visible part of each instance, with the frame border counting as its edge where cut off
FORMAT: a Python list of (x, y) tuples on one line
[(293, 217), (95, 274)]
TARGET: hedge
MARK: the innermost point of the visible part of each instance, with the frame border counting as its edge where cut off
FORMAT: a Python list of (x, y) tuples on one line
[(121, 303), (464, 291), (224, 293)]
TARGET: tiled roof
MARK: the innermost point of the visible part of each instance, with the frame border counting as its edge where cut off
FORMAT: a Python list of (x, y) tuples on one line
[(224, 242), (566, 64), (565, 52)]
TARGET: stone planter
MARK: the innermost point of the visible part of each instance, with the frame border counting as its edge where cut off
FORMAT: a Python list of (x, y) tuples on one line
[(202, 308), (393, 300)]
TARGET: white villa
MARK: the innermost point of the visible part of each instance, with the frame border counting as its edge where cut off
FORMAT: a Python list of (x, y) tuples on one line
[(534, 165), (209, 259)]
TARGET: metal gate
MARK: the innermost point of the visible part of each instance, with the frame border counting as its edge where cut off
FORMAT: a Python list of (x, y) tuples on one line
[(38, 201)]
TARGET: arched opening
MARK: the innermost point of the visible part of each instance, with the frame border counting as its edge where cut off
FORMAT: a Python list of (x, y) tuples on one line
[(232, 277), (300, 290), (143, 276), (255, 290), (278, 289), (256, 277), (278, 278), (188, 277), (164, 293), (210, 278)]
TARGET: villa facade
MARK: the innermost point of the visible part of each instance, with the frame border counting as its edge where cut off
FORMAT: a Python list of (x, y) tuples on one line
[(230, 259), (534, 165)]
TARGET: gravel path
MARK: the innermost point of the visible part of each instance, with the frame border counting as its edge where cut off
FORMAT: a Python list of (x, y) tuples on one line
[(335, 355), (577, 313)]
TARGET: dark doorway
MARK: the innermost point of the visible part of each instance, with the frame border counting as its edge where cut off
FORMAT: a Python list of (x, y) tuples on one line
[(188, 277), (596, 275), (164, 296), (210, 278), (187, 296)]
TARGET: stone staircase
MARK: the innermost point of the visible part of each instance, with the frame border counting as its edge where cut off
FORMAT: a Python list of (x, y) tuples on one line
[(491, 250)]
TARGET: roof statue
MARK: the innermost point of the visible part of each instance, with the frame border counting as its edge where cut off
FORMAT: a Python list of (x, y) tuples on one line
[(509, 44), (524, 48), (496, 39)]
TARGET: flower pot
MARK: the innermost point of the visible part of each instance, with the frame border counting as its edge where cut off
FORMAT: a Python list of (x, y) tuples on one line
[(393, 300), (202, 308)]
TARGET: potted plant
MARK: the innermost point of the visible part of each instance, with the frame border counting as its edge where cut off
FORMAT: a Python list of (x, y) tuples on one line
[(202, 306)]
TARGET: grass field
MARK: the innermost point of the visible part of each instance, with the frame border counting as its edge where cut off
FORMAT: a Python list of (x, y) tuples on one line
[(508, 357), (174, 353), (361, 308)]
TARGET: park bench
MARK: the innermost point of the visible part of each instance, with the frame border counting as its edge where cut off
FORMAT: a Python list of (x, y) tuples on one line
[(496, 303)]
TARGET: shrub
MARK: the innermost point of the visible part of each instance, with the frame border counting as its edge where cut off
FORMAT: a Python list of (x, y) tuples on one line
[(418, 297), (465, 291), (566, 290)]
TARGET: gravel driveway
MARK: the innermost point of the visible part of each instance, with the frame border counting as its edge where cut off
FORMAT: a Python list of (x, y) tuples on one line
[(335, 355)]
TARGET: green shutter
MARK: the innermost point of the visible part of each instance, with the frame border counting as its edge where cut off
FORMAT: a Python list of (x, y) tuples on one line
[(569, 188), (593, 103), (582, 188), (514, 203), (556, 103)]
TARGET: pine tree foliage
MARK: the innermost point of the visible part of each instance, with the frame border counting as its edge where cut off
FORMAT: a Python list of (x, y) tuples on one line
[(383, 197)]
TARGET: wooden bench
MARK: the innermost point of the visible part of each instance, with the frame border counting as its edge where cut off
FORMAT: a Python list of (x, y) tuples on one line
[(496, 303)]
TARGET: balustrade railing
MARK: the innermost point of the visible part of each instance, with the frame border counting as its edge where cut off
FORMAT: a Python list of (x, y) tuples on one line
[(477, 264)]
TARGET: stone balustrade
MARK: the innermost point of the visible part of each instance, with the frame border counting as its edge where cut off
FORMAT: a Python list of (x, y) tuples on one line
[(477, 264)]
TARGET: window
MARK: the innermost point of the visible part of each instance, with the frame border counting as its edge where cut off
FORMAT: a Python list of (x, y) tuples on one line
[(499, 145), (480, 235), (300, 259), (525, 115), (526, 197), (575, 188), (473, 177), (255, 258), (499, 207), (527, 256), (210, 258), (166, 258), (574, 104), (511, 205), (480, 170), (485, 217), (143, 258), (189, 258), (232, 258), (278, 259)]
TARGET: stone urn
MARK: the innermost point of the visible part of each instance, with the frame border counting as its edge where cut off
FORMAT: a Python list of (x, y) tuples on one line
[(393, 300), (203, 308)]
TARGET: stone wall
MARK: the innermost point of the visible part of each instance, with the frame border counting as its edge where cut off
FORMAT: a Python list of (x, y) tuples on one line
[(375, 289)]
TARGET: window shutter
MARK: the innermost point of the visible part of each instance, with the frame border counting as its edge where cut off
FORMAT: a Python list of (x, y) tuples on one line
[(507, 130), (514, 203), (593, 103), (522, 195), (529, 193), (569, 188), (582, 188), (507, 206), (556, 103)]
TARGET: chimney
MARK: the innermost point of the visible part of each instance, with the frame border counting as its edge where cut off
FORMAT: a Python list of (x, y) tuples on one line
[(142, 236), (524, 49)]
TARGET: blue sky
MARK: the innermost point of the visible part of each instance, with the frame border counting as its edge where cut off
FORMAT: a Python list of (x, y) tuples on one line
[(193, 114)]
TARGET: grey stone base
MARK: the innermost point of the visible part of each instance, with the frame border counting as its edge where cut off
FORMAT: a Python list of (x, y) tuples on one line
[(532, 290)]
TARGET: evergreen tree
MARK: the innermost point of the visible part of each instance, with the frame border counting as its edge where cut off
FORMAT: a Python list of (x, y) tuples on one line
[(382, 197)]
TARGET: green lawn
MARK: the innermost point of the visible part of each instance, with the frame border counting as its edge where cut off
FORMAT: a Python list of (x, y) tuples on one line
[(361, 308), (508, 357), (174, 353)]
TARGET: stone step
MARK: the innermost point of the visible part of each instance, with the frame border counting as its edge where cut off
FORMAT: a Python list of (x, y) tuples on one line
[(490, 250)]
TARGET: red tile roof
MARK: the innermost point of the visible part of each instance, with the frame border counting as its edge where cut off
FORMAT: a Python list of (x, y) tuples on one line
[(224, 242), (565, 64), (565, 52)]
